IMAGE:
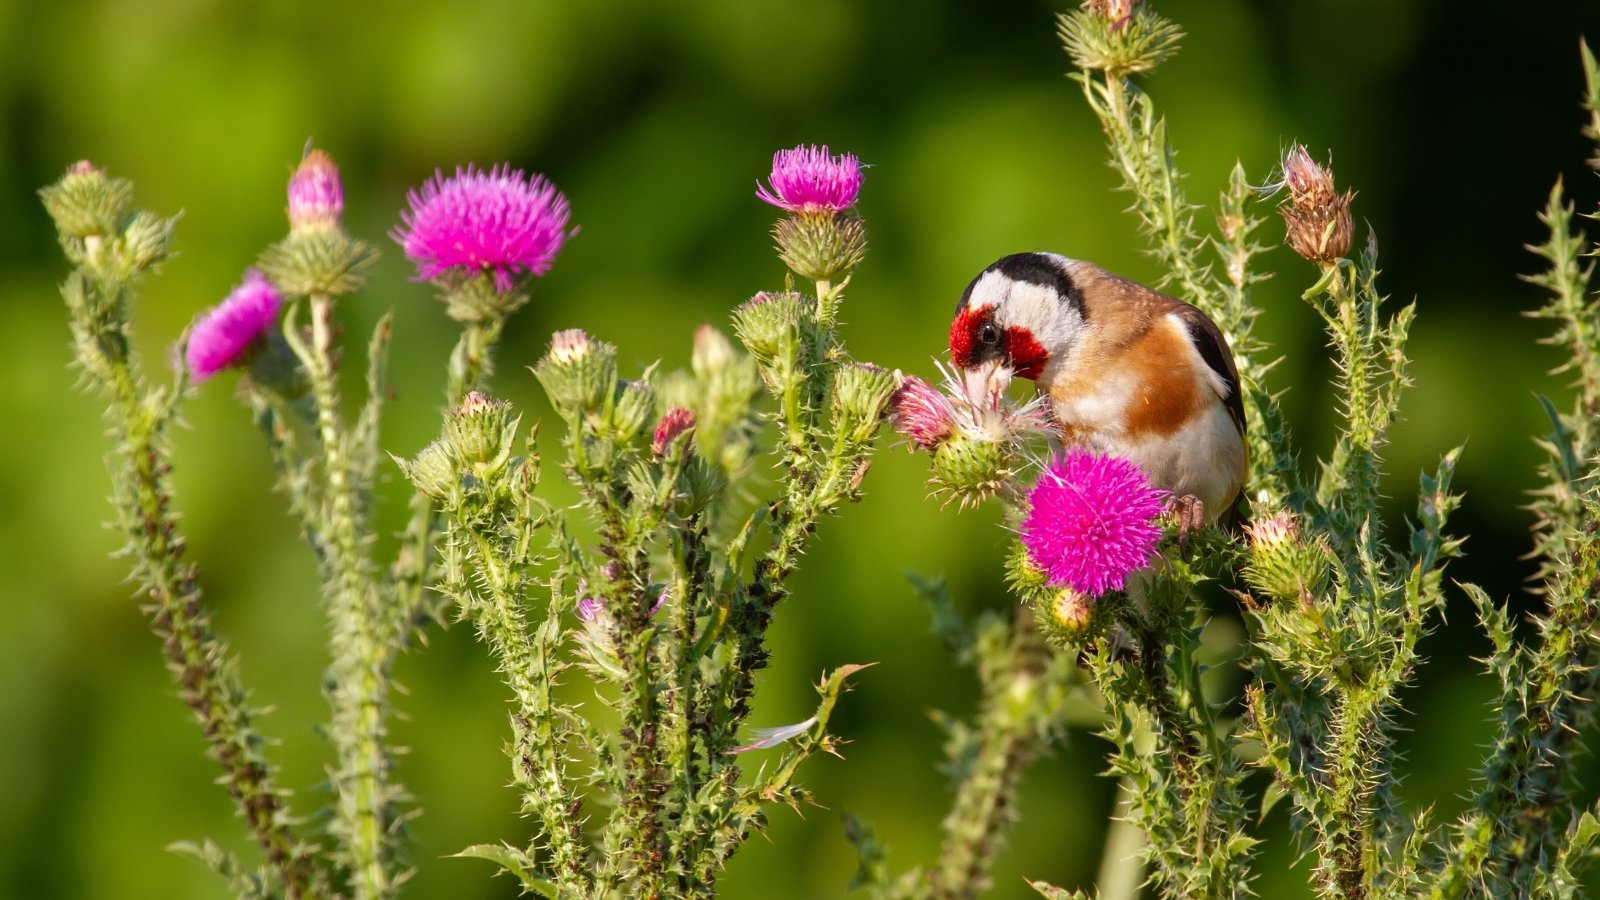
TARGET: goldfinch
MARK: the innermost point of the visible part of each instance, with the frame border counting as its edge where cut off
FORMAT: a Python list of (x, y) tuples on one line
[(1125, 370)]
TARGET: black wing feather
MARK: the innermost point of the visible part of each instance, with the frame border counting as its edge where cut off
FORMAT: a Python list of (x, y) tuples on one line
[(1214, 350)]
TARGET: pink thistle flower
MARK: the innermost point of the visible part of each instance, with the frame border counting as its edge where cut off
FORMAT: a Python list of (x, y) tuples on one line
[(922, 413), (590, 607), (1308, 182), (674, 423), (500, 221), (316, 196), (993, 418), (224, 334), (1091, 521), (808, 180)]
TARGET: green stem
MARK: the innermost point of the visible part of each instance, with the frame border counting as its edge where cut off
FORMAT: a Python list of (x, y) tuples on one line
[(1145, 161), (1008, 743), (1346, 844), (1121, 869), (471, 364), (203, 666), (825, 304), (360, 653), (535, 751), (201, 663)]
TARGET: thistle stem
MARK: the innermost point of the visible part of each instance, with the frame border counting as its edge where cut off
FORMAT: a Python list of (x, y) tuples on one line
[(1121, 871), (202, 664), (534, 751), (358, 672), (471, 364)]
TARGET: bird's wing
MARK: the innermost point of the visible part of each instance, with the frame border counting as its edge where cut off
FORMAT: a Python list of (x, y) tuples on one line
[(1214, 350)]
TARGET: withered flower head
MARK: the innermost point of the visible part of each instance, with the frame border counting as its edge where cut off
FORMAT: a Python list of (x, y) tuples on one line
[(1317, 216)]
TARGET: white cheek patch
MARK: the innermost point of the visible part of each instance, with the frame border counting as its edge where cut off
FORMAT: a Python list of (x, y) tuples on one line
[(1051, 318)]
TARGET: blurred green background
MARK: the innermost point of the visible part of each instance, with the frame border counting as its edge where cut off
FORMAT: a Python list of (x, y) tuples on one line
[(1451, 119)]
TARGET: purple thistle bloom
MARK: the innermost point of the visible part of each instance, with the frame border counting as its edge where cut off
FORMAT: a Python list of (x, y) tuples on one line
[(920, 412), (1091, 521), (500, 221), (589, 607), (673, 424), (224, 333), (808, 180), (316, 197)]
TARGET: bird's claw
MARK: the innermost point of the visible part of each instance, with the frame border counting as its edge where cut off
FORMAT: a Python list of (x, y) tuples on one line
[(1191, 513)]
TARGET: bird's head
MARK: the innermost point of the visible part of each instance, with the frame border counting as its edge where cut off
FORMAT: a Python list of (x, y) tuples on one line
[(1020, 317)]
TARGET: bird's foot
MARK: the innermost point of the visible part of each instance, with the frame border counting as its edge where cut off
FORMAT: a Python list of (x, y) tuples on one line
[(1191, 513)]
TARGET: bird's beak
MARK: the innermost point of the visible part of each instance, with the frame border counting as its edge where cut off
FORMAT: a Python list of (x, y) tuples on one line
[(986, 383)]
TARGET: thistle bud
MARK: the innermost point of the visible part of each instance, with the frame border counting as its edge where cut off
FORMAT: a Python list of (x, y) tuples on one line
[(145, 241), (922, 413), (1118, 36), (316, 196), (768, 324), (699, 484), (85, 203), (821, 247), (480, 434), (1317, 217), (971, 470), (1283, 565), (677, 422), (713, 352), (635, 404), (578, 372), (1116, 12), (433, 472), (861, 391), (1069, 616), (317, 257)]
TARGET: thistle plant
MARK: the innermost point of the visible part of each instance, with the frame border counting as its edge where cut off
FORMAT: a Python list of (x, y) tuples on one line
[(659, 589), (1335, 606), (280, 328), (629, 627), (664, 611)]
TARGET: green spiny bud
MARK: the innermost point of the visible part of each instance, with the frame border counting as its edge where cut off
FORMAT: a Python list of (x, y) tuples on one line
[(327, 262), (713, 353), (1283, 565), (433, 472), (971, 470), (481, 433), (1120, 37), (85, 203), (821, 246), (1070, 617), (861, 394), (699, 484), (477, 298), (635, 405), (1027, 580), (769, 324), (144, 243), (578, 372), (276, 369)]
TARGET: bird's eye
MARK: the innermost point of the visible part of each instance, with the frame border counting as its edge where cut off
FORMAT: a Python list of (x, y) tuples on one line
[(988, 333)]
